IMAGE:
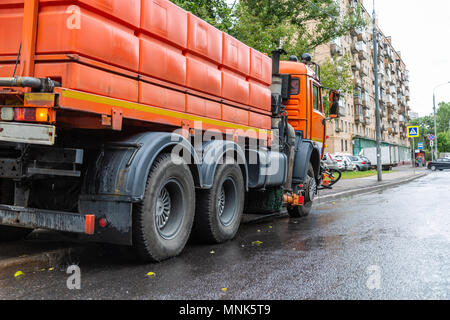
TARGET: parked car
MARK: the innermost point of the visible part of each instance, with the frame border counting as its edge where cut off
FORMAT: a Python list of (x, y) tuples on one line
[(367, 161), (345, 162), (439, 164), (360, 163), (331, 163)]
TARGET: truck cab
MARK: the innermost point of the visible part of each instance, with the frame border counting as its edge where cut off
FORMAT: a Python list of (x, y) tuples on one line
[(306, 116), (305, 106)]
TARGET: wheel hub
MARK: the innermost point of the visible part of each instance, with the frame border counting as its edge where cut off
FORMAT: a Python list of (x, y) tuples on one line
[(221, 202), (163, 206)]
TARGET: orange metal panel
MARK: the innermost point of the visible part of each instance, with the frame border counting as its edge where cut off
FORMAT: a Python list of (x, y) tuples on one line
[(203, 76), (204, 39), (83, 78), (98, 37), (235, 115), (236, 55), (204, 107), (6, 70), (127, 11), (260, 96), (235, 87), (161, 60), (260, 121), (161, 97), (164, 19), (260, 67), (10, 30)]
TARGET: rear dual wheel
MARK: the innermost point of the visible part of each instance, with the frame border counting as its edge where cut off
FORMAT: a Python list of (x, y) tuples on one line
[(219, 209), (162, 223)]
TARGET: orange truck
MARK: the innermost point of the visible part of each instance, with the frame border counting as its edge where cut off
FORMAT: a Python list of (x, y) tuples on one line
[(137, 123)]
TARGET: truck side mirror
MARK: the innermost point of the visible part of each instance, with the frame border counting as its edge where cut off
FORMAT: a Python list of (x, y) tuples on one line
[(334, 105)]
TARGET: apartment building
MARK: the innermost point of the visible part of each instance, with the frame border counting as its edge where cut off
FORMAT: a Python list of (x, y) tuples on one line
[(356, 127)]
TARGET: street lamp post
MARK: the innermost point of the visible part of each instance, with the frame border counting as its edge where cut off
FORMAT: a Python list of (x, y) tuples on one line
[(435, 153), (377, 96)]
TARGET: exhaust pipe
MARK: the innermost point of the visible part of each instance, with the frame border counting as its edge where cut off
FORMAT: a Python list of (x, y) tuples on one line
[(43, 84)]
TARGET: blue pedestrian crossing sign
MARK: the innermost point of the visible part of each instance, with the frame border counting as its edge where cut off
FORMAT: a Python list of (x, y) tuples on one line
[(420, 146), (413, 132)]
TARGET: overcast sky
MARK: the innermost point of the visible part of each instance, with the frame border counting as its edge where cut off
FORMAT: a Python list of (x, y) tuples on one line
[(420, 30)]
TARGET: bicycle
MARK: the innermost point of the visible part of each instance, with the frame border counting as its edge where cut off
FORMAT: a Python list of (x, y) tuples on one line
[(330, 177)]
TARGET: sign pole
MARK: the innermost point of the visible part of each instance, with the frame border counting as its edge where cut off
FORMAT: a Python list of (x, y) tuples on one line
[(414, 157)]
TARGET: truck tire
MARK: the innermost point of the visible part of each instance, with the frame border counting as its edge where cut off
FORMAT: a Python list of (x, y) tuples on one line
[(219, 209), (162, 222), (305, 209), (13, 233)]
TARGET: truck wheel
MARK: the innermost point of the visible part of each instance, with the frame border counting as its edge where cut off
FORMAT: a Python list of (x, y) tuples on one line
[(162, 223), (433, 168), (13, 233), (219, 209), (311, 186)]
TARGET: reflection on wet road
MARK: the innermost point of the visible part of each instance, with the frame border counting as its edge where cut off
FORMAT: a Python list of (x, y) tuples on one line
[(393, 244)]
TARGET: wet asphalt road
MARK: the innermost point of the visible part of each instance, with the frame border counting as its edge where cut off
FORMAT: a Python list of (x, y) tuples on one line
[(393, 244)]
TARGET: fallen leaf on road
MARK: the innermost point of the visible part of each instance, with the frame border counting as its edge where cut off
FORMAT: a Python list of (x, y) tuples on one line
[(151, 274), (259, 230), (257, 243), (270, 227), (51, 269), (212, 252), (18, 274), (224, 289)]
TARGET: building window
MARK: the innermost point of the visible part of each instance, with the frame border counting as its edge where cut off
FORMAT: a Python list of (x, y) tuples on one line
[(342, 145), (346, 146)]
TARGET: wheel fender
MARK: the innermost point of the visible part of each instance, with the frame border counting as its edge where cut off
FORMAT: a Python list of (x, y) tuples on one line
[(213, 153), (305, 152), (122, 167)]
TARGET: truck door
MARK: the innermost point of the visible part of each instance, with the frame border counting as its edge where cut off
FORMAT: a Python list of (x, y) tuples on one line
[(317, 116)]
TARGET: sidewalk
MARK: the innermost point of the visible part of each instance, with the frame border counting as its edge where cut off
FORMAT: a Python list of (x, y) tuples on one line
[(345, 188)]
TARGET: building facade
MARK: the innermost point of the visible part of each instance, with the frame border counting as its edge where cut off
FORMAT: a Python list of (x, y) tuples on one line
[(356, 127)]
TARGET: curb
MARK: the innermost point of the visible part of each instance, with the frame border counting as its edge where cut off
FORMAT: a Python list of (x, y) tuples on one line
[(353, 192), (37, 262)]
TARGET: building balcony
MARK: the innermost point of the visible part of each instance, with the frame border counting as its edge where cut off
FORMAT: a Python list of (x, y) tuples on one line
[(364, 71), (359, 118), (336, 49), (362, 55), (356, 65)]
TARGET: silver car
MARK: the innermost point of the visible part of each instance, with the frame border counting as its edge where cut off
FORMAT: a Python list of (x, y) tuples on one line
[(331, 163), (360, 163)]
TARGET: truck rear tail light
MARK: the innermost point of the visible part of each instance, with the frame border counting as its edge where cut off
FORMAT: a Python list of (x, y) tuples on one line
[(7, 114), (31, 114), (24, 114), (41, 114)]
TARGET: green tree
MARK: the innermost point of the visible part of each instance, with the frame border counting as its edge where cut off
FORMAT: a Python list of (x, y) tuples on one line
[(336, 74), (216, 12), (443, 142), (443, 117), (297, 26)]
